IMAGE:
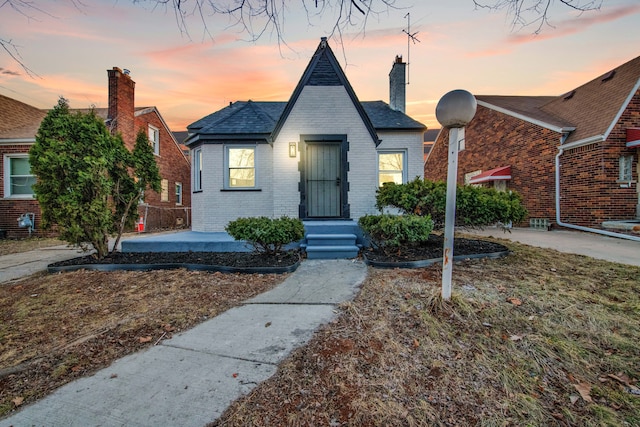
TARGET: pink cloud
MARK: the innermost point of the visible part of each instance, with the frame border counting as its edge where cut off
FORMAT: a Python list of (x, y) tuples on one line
[(577, 25)]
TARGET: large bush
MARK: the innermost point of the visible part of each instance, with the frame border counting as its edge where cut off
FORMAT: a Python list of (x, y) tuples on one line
[(393, 232), (266, 235), (88, 183), (475, 206)]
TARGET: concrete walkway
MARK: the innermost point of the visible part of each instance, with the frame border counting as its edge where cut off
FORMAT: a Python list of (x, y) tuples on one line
[(191, 379), (593, 245)]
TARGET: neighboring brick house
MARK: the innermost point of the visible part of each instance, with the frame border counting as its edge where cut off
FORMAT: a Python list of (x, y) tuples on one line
[(573, 158), (321, 155), (171, 207), (19, 124)]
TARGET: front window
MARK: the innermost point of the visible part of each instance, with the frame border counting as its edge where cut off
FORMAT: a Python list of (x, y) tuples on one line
[(154, 139), (20, 178), (197, 169), (391, 167), (241, 167)]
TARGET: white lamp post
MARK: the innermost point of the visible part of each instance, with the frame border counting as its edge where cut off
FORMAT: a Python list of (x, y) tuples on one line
[(454, 110)]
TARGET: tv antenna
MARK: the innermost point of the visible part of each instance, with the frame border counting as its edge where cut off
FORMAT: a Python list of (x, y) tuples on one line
[(411, 37)]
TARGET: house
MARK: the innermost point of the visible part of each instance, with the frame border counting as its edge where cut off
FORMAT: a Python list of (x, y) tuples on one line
[(573, 158), (20, 122), (320, 156)]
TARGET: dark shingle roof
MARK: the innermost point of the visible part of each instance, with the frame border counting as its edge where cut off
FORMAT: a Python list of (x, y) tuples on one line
[(384, 117), (590, 110), (19, 120)]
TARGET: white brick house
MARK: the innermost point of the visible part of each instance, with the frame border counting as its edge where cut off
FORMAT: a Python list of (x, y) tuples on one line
[(320, 156)]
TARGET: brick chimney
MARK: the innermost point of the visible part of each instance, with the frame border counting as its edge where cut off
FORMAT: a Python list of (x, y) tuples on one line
[(397, 85), (121, 105)]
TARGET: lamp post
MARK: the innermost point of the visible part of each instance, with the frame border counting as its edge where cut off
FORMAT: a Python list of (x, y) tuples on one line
[(454, 110)]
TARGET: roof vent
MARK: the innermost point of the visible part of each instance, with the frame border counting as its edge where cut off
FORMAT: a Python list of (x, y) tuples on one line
[(609, 76), (323, 42), (126, 72), (569, 95)]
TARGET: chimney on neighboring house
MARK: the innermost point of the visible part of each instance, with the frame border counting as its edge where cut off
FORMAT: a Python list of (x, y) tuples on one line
[(397, 85), (121, 105)]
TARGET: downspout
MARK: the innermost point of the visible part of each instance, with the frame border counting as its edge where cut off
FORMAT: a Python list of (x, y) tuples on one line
[(579, 227)]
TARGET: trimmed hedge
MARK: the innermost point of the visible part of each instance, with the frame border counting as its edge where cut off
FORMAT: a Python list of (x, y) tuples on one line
[(475, 206), (265, 234), (392, 232)]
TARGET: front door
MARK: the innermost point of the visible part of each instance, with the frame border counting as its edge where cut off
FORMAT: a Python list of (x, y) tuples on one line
[(323, 180)]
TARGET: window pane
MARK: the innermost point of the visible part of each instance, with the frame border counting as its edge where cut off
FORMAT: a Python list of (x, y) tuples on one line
[(390, 177), (390, 168), (390, 161), (178, 193), (22, 185), (242, 178), (20, 166), (241, 157)]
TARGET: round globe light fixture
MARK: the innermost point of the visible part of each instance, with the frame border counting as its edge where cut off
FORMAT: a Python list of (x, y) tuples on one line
[(456, 108)]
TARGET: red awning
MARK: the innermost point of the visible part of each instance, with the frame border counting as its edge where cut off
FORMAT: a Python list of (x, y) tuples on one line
[(503, 172), (633, 137)]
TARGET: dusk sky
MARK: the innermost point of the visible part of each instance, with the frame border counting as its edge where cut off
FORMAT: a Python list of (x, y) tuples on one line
[(187, 77)]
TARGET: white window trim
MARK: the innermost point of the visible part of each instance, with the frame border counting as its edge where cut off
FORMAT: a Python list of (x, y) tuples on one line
[(7, 176), (178, 194), (197, 169), (404, 162), (254, 147), (155, 143)]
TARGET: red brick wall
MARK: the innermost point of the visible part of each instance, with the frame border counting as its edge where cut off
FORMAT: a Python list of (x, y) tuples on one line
[(173, 167), (494, 139), (590, 192), (11, 209)]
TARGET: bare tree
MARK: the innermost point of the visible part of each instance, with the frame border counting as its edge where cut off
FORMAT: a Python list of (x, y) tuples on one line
[(535, 13)]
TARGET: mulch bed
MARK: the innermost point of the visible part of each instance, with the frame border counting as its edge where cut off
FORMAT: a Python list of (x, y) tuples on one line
[(433, 248), (227, 259)]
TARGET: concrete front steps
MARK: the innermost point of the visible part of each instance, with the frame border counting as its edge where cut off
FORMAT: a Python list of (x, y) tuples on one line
[(332, 239), (331, 246)]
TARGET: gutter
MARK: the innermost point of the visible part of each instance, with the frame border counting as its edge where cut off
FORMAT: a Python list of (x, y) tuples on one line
[(579, 227)]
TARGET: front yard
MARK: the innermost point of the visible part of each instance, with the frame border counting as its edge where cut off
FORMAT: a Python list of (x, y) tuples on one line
[(535, 338)]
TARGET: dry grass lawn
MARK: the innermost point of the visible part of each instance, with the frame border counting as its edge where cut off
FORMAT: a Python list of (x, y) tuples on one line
[(537, 338), (11, 246)]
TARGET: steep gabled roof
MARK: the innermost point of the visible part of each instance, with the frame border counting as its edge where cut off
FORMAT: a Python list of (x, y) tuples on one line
[(19, 121), (589, 111), (324, 70)]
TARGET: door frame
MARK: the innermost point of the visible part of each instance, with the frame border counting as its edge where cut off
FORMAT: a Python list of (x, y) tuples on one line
[(324, 139)]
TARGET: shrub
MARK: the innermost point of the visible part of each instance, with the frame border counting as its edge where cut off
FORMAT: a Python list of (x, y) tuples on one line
[(475, 206), (392, 232), (266, 235)]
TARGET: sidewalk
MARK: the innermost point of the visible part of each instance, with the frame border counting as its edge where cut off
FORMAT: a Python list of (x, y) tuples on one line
[(593, 245), (191, 379)]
